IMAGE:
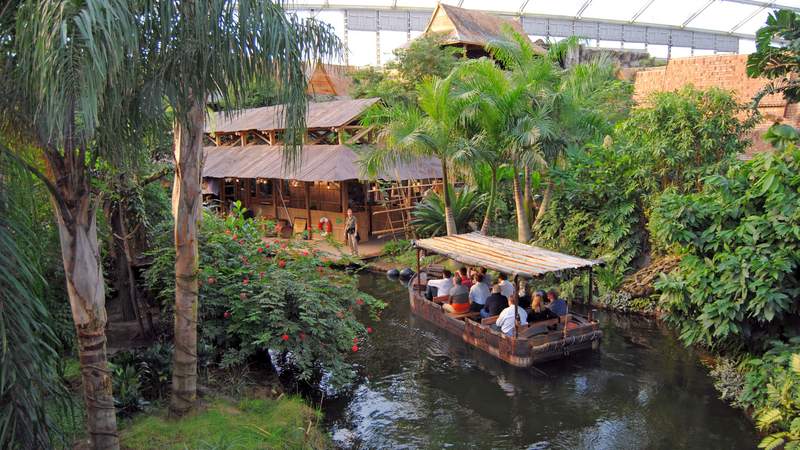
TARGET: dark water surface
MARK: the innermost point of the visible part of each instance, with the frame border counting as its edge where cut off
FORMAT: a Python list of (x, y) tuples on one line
[(424, 388)]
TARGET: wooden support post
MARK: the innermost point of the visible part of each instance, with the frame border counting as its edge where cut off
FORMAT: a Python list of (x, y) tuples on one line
[(244, 138), (272, 139), (218, 139), (344, 195), (516, 303), (275, 187), (340, 133), (591, 285), (307, 194)]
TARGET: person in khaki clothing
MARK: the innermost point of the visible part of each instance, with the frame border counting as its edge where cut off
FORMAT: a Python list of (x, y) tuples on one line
[(351, 232)]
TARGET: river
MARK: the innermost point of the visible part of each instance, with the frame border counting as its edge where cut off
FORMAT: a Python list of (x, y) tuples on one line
[(424, 388)]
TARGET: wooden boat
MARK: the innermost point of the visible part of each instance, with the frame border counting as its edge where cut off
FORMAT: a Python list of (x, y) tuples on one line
[(530, 344)]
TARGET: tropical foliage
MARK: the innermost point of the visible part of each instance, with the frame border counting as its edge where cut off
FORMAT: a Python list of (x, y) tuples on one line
[(257, 297), (429, 214), (740, 240)]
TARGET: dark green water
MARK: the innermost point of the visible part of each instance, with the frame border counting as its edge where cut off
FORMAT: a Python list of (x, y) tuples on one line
[(424, 388)]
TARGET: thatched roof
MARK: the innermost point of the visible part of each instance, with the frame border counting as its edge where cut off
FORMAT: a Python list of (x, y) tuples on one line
[(466, 26), (329, 79), (320, 115), (319, 163), (503, 255)]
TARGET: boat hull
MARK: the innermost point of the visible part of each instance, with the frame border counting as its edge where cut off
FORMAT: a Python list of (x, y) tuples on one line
[(582, 334)]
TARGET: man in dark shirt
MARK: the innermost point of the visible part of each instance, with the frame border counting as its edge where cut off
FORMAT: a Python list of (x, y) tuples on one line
[(494, 303), (557, 305)]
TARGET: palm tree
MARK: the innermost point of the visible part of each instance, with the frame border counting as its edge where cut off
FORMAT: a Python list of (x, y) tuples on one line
[(65, 66), (197, 49), (583, 101), (434, 127), (511, 119)]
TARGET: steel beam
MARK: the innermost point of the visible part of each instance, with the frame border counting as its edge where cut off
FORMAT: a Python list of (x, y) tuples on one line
[(697, 13)]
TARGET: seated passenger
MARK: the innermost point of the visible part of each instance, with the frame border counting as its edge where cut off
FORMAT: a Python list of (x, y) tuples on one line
[(494, 303), (440, 287), (459, 298), (465, 279), (524, 300), (506, 287), (508, 318), (557, 305), (538, 310), (486, 277), (478, 293)]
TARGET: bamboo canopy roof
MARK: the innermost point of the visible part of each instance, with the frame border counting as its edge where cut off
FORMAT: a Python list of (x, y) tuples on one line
[(503, 255), (320, 115), (466, 26), (319, 163)]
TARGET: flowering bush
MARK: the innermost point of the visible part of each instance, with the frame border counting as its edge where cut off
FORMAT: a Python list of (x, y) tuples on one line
[(257, 295)]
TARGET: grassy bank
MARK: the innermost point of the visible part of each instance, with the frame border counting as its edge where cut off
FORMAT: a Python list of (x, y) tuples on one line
[(283, 423)]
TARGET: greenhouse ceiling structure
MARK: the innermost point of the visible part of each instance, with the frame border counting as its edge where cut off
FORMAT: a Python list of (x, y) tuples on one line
[(371, 29)]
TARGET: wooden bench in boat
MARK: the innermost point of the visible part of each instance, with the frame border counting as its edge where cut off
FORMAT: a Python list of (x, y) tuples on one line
[(464, 315)]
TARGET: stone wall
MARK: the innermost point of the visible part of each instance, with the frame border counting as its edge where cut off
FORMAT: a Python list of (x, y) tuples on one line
[(723, 71)]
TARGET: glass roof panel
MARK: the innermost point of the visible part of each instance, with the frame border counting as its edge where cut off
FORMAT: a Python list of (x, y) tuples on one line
[(752, 25), (416, 4), (792, 3), (383, 3), (722, 16), (510, 6), (613, 9), (670, 12), (554, 8)]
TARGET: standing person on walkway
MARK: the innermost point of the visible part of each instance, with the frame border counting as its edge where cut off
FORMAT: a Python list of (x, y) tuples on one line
[(351, 232)]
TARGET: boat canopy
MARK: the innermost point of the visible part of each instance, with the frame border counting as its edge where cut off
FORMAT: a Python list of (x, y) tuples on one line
[(503, 255)]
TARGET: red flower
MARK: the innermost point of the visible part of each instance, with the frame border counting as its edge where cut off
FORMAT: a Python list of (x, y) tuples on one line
[(302, 336), (246, 281), (305, 252), (212, 280), (227, 314), (359, 302), (285, 337), (339, 314), (260, 274), (281, 264), (355, 340), (243, 296), (260, 250), (241, 241), (227, 231), (235, 237), (369, 330), (283, 244), (355, 348)]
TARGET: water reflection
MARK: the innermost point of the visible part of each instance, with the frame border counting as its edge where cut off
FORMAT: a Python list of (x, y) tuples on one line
[(424, 388)]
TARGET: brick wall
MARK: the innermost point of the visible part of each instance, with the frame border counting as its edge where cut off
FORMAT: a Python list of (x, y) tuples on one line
[(723, 71)]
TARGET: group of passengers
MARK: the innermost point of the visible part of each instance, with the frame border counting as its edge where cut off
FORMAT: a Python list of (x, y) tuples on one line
[(469, 291)]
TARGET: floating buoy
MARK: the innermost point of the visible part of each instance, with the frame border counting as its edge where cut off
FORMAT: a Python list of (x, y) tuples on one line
[(406, 273), (392, 273)]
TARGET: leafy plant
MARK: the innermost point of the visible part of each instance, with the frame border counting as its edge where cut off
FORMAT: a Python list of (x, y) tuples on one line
[(396, 247), (281, 297), (740, 239), (429, 215), (776, 56)]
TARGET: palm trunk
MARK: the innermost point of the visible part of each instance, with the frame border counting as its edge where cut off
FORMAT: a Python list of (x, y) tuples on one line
[(186, 202), (526, 193), (449, 220), (487, 219), (523, 225), (548, 194), (80, 252)]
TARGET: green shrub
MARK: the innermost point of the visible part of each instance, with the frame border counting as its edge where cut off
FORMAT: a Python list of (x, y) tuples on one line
[(737, 282), (467, 205), (256, 297), (396, 247)]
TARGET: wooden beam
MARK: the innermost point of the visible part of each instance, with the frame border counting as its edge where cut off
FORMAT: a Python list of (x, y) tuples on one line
[(307, 194), (356, 137), (344, 194), (340, 134)]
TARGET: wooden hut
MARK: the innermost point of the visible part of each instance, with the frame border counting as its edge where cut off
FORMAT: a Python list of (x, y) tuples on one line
[(329, 80), (470, 29), (243, 161)]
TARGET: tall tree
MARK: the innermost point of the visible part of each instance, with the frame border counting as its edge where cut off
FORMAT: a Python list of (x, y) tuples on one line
[(509, 120), (583, 101), (198, 49), (66, 67), (777, 55), (434, 128)]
